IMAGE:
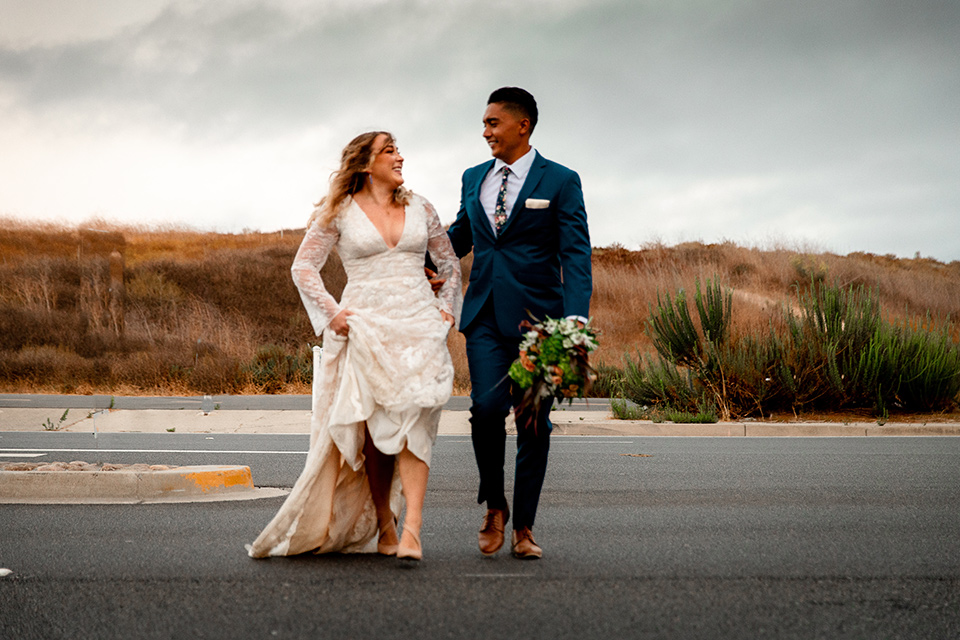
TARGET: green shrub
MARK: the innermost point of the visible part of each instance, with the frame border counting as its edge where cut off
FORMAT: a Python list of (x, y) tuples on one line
[(658, 383), (836, 353), (623, 410), (921, 371), (608, 383), (687, 417), (681, 345), (838, 329), (273, 367), (626, 410)]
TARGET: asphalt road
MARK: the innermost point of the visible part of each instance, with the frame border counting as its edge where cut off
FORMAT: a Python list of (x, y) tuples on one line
[(642, 537)]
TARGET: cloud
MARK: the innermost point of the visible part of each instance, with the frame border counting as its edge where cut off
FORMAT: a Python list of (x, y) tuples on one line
[(831, 121), (45, 23)]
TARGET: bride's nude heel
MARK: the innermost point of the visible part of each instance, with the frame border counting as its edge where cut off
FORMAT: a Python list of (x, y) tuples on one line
[(405, 552), (388, 549)]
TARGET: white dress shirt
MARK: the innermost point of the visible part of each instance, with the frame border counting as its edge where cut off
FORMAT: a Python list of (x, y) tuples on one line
[(490, 187)]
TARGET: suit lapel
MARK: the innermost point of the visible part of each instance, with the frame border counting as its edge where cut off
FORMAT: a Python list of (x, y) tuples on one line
[(537, 169), (474, 207)]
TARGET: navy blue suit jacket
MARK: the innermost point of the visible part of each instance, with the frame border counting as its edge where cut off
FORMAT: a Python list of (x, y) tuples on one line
[(541, 260)]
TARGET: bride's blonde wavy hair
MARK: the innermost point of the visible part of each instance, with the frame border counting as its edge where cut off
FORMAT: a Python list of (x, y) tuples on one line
[(354, 169)]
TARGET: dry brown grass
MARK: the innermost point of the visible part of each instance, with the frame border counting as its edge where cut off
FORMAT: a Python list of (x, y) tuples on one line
[(199, 305), (626, 285)]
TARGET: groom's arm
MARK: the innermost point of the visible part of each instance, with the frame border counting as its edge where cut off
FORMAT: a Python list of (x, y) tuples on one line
[(461, 235), (575, 248)]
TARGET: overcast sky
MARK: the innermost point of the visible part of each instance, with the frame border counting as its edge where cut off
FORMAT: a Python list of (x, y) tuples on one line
[(829, 125)]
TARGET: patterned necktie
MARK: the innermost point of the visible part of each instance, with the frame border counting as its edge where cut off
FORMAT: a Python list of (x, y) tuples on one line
[(500, 211)]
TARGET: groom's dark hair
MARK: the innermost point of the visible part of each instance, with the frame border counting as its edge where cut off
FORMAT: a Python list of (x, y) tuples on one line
[(519, 101)]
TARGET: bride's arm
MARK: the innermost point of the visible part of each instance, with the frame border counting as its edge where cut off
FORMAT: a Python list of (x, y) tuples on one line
[(316, 246), (448, 265)]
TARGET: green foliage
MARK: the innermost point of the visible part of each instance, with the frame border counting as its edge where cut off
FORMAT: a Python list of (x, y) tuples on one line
[(273, 367), (809, 269), (836, 353), (609, 381), (714, 309), (50, 426), (673, 333), (922, 368), (681, 345), (837, 332), (687, 417), (623, 410), (659, 383), (520, 375)]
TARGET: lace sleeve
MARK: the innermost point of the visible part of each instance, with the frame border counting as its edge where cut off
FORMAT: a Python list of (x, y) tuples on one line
[(448, 265), (316, 246)]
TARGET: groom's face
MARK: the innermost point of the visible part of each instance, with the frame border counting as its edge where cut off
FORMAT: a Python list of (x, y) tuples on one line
[(506, 133)]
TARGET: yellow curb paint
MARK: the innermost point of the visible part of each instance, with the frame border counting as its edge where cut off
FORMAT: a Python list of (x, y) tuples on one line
[(211, 480)]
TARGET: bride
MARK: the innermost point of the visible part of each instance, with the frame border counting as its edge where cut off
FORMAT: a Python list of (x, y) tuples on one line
[(385, 372)]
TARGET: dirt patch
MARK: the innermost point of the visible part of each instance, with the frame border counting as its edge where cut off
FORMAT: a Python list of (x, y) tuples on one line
[(79, 465)]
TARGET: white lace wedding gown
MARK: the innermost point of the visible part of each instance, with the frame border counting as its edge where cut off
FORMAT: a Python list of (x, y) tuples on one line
[(393, 372)]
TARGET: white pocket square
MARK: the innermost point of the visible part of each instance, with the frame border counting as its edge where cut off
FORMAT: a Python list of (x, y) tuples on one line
[(533, 203)]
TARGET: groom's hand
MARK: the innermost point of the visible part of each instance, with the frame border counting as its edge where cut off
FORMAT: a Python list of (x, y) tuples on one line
[(435, 282)]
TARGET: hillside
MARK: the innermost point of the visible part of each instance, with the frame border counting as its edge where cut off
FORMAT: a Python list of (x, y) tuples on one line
[(128, 310)]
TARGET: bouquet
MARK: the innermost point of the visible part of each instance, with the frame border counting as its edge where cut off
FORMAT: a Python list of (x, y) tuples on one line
[(553, 363)]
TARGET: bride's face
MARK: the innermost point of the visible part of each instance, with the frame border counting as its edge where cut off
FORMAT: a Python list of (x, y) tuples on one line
[(387, 165)]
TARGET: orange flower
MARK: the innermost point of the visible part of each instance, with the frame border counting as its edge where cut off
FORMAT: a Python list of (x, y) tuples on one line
[(526, 363)]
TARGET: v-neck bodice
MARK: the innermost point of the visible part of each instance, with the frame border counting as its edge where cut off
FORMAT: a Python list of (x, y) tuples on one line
[(403, 229), (360, 241), (380, 279)]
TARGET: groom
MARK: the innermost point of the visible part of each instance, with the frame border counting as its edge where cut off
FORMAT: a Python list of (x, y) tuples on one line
[(524, 219)]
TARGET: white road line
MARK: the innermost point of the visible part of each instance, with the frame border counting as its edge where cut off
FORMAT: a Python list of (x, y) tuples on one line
[(498, 575), (295, 453), (4, 454), (594, 440)]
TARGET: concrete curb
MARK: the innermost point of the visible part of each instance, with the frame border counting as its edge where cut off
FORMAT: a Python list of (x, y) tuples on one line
[(205, 482), (748, 429), (452, 422)]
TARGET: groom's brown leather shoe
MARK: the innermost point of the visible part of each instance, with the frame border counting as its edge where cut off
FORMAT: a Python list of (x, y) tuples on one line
[(524, 546), (491, 533)]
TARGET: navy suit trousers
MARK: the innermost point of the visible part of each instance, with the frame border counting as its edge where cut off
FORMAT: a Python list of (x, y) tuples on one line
[(489, 355)]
